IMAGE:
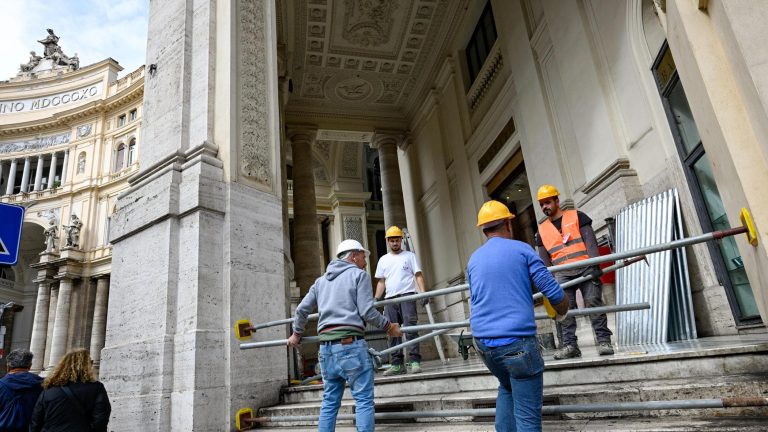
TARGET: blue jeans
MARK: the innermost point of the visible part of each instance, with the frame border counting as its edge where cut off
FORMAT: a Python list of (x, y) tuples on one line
[(520, 370), (342, 364)]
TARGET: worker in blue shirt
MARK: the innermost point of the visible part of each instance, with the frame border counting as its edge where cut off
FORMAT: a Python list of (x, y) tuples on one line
[(500, 275)]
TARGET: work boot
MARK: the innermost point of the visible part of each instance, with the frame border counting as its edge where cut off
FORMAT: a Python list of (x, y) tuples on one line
[(605, 348), (395, 370), (569, 351), (415, 367)]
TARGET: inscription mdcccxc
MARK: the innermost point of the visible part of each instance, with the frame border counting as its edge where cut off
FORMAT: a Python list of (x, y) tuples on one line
[(28, 105)]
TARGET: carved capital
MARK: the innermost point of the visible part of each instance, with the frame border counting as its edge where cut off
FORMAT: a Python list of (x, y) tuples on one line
[(298, 133), (383, 137)]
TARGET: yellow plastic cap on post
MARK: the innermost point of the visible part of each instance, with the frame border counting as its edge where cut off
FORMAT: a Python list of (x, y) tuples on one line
[(492, 211), (394, 231), (547, 191)]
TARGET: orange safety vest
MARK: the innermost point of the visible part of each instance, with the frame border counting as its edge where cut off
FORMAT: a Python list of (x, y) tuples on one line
[(566, 245)]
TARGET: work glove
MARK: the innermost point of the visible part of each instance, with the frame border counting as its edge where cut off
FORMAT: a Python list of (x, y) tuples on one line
[(594, 271), (424, 302)]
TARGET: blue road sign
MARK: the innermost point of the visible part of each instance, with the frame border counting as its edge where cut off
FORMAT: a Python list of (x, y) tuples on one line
[(11, 219)]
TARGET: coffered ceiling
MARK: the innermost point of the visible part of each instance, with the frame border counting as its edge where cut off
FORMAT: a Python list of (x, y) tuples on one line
[(363, 58)]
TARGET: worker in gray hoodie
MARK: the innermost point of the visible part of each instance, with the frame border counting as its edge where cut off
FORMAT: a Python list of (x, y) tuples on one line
[(344, 299)]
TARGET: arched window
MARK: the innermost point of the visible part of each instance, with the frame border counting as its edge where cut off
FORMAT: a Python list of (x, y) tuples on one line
[(119, 158), (132, 152)]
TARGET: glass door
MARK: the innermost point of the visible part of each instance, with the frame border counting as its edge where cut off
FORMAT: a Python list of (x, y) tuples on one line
[(709, 206)]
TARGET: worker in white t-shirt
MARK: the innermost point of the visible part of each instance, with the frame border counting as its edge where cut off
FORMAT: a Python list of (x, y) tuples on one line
[(399, 275)]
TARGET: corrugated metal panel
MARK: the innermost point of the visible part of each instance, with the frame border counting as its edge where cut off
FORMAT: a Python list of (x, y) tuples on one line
[(663, 282)]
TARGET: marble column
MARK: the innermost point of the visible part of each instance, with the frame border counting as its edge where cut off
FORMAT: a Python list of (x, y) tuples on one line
[(61, 323), (99, 327), (25, 175), (52, 170), (39, 173), (65, 167), (392, 189), (11, 178), (306, 239), (52, 304), (40, 326)]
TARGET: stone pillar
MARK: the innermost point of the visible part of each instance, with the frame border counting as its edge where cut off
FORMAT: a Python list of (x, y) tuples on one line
[(391, 187), (25, 175), (51, 319), (65, 167), (39, 173), (207, 204), (40, 326), (306, 240), (11, 178), (52, 170), (99, 327), (61, 323)]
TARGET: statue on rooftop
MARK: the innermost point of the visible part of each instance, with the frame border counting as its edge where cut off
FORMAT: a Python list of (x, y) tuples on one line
[(34, 60), (51, 42)]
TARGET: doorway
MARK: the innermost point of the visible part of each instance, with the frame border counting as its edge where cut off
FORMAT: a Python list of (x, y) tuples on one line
[(510, 186)]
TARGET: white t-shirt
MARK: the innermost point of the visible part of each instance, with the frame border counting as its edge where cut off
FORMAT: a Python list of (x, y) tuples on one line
[(399, 273)]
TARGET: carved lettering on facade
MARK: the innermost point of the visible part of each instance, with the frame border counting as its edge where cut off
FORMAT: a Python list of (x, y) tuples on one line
[(53, 101), (255, 151), (34, 144)]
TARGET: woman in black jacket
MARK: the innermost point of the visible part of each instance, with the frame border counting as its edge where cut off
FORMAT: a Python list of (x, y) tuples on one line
[(72, 400)]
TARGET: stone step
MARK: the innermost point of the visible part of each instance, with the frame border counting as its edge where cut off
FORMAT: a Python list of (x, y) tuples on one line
[(625, 424), (702, 358), (745, 385)]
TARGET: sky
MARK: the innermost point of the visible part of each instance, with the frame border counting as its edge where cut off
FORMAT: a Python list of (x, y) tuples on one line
[(94, 29)]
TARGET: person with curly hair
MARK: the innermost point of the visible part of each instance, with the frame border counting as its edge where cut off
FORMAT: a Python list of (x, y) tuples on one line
[(72, 398)]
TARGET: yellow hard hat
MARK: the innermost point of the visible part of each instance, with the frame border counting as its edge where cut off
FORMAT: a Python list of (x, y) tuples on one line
[(493, 211), (394, 231), (547, 191)]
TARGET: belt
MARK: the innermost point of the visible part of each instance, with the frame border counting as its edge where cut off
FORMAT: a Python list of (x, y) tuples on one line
[(346, 341)]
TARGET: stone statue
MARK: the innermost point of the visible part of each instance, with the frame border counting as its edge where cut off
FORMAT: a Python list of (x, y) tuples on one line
[(51, 236), (51, 42), (34, 60), (73, 232)]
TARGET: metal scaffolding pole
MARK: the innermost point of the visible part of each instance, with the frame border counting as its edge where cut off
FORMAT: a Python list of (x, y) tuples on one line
[(685, 404), (452, 325)]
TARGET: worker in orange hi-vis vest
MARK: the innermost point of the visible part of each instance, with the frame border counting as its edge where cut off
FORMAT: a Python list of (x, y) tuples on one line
[(567, 236)]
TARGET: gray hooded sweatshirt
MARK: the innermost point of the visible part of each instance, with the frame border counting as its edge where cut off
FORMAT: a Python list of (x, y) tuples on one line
[(343, 296)]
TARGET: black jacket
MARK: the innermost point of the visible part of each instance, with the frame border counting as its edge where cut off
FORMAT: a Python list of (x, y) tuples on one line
[(55, 412)]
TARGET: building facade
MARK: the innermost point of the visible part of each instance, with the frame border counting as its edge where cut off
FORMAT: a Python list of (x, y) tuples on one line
[(69, 139)]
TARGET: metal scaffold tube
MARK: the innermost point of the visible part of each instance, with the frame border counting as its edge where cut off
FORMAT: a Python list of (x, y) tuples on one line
[(684, 404), (459, 324), (635, 253), (451, 290)]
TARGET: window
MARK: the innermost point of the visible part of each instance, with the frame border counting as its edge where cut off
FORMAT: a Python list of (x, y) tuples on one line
[(121, 120), (119, 158), (709, 206), (481, 42), (131, 152), (132, 115)]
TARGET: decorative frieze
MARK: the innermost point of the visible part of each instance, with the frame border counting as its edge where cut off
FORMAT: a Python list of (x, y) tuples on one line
[(353, 228), (35, 143)]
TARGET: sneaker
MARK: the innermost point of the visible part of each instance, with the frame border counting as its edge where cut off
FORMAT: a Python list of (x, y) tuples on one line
[(605, 348), (395, 370), (569, 351), (415, 367)]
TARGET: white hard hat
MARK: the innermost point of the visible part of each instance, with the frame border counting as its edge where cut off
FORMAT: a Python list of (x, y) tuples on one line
[(350, 245)]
